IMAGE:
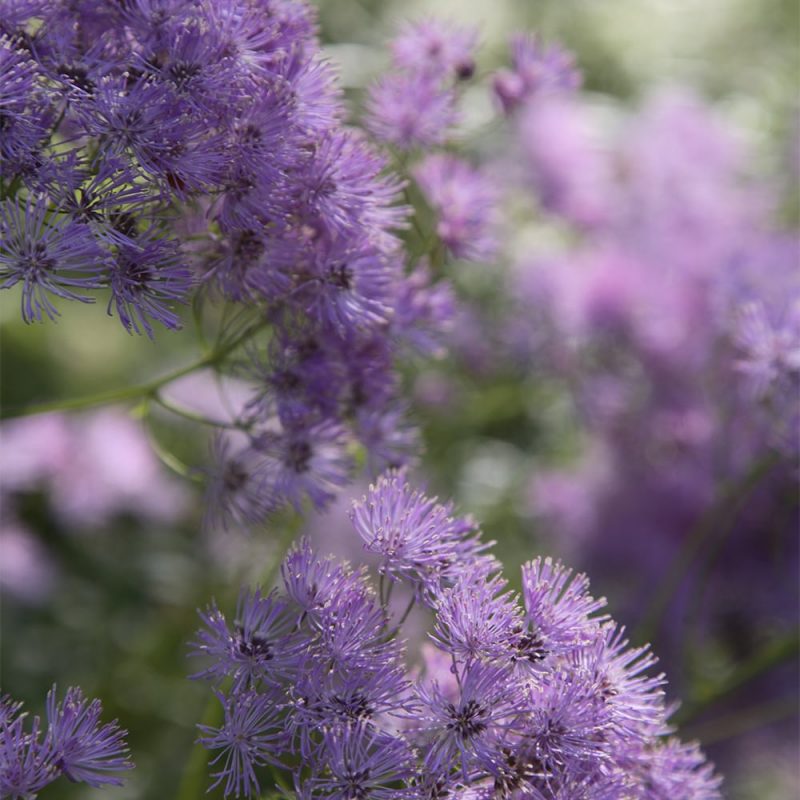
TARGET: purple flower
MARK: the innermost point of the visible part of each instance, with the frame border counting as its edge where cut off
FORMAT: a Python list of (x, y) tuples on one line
[(558, 609), (83, 749), (363, 762), (47, 254), (352, 634), (305, 462), (329, 700), (632, 698), (349, 286), (415, 535), (75, 745), (411, 110), (424, 310), (536, 69), (349, 721), (163, 132), (101, 196), (770, 349), (235, 490), (340, 188), (464, 202), (263, 137), (300, 380), (138, 121), (234, 262), (563, 726), (259, 647), (25, 763), (252, 735), (569, 172), (315, 95), (389, 437), (675, 769), (23, 117), (465, 731), (314, 584), (148, 276), (194, 66), (436, 47), (477, 620)]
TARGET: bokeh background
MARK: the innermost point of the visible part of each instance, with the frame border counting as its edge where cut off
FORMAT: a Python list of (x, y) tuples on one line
[(103, 557)]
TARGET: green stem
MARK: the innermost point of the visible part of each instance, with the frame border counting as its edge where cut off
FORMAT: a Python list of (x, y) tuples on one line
[(191, 416), (396, 630), (194, 780), (168, 459), (740, 722), (730, 501), (148, 389), (775, 653)]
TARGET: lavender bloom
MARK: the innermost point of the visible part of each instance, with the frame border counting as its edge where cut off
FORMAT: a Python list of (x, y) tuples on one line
[(249, 737), (46, 255), (436, 47), (352, 634), (344, 718), (465, 731), (464, 202), (75, 744), (416, 536), (769, 347), (82, 749), (671, 325), (424, 311), (360, 762), (675, 769), (564, 727), (194, 66), (310, 462), (475, 620), (29, 574), (25, 766), (388, 436), (258, 649), (235, 490), (632, 697), (312, 583), (536, 69), (148, 275), (22, 116), (558, 609), (569, 172), (99, 196), (349, 287), (411, 110), (341, 189), (333, 700), (769, 351), (150, 123)]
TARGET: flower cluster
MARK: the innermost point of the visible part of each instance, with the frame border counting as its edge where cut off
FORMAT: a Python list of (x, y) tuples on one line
[(75, 744), (674, 322), (541, 698), (415, 107), (652, 293), (464, 202), (416, 104), (153, 147), (536, 69)]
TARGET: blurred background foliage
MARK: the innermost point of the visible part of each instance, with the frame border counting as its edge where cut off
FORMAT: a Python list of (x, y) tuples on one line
[(108, 601)]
